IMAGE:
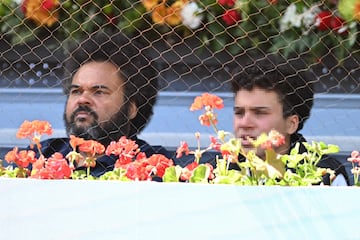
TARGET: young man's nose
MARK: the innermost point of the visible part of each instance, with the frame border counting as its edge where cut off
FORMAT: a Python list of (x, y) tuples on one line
[(246, 120)]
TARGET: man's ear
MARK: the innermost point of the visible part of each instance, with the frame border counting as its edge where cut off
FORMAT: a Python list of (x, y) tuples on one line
[(133, 110), (292, 124)]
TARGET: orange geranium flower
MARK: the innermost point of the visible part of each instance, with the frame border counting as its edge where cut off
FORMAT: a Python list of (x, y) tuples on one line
[(91, 147), (75, 141), (22, 158), (170, 15), (208, 118), (150, 4), (173, 17), (357, 10), (159, 13), (34, 130), (43, 12), (274, 138), (74, 156), (30, 129), (207, 100)]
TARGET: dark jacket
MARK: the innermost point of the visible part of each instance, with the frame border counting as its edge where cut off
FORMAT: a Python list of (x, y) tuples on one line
[(104, 163), (325, 162)]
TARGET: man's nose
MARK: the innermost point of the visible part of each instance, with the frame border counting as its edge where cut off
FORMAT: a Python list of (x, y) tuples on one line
[(246, 120), (85, 99)]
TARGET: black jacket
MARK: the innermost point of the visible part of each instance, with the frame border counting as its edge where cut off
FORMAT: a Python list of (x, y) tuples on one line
[(325, 162), (104, 163)]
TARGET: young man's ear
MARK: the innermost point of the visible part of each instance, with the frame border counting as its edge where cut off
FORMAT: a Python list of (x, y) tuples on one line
[(292, 124), (133, 110)]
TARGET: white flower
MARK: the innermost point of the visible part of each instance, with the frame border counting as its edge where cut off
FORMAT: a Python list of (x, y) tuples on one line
[(191, 16), (309, 16), (290, 18)]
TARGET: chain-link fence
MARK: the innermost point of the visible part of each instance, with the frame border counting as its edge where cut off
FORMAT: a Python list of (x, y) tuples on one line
[(195, 46)]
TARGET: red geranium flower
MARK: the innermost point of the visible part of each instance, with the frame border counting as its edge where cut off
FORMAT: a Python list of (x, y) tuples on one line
[(160, 163), (137, 171), (323, 20), (214, 143), (337, 23), (55, 167), (228, 3), (231, 17), (125, 148)]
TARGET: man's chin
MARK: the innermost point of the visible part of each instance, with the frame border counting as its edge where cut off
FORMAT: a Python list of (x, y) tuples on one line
[(80, 128), (85, 124)]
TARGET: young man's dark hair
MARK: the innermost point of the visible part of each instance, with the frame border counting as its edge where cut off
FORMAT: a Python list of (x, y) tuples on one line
[(293, 88), (280, 97)]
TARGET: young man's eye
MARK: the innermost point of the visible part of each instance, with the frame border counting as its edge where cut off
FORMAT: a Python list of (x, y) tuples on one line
[(239, 113), (260, 113), (74, 91), (99, 92)]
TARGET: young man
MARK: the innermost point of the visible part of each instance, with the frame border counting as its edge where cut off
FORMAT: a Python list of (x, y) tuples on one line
[(111, 89), (269, 97)]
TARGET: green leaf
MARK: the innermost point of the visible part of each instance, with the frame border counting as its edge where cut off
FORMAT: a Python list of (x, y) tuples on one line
[(200, 174), (172, 174), (275, 167), (233, 177)]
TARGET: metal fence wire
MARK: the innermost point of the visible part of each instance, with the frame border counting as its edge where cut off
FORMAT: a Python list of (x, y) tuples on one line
[(194, 40), (194, 44)]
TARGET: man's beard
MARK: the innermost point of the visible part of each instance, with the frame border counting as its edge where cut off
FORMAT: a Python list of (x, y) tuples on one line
[(105, 132)]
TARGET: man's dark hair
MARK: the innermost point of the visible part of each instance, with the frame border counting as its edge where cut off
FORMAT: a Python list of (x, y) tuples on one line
[(294, 90), (135, 67)]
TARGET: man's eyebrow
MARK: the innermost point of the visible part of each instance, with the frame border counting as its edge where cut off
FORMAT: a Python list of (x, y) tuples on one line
[(74, 86), (251, 108), (100, 87), (93, 87)]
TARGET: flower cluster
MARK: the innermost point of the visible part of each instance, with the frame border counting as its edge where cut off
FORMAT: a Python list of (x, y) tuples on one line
[(294, 169), (310, 27), (130, 165), (355, 161)]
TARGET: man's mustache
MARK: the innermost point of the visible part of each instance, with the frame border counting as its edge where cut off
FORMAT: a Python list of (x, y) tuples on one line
[(84, 109)]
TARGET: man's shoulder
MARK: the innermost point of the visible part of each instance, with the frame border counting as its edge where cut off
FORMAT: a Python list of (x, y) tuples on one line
[(326, 161), (149, 150), (52, 145)]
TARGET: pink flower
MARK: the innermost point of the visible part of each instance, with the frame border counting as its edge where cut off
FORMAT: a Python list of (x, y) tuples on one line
[(183, 148)]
